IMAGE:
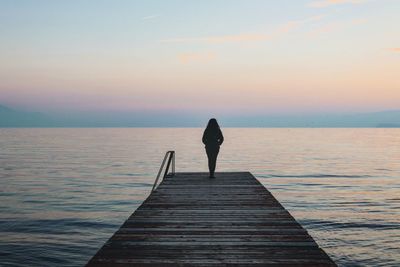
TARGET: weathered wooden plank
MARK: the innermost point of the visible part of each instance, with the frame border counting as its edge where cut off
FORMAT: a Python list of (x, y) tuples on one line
[(214, 230), (201, 251), (241, 217), (210, 238), (214, 242), (261, 210), (214, 262), (201, 254), (191, 220), (235, 228)]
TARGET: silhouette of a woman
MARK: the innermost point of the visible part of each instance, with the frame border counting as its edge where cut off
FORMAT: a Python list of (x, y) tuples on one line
[(212, 138)]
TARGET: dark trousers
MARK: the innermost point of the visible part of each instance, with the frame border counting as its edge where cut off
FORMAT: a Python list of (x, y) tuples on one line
[(212, 154)]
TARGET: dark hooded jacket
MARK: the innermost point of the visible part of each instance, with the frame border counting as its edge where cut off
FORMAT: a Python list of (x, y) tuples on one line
[(212, 137)]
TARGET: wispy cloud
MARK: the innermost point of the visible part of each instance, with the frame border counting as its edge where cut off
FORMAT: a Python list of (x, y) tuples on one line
[(395, 49), (246, 37), (150, 17), (293, 24), (190, 57), (333, 26), (326, 3), (329, 27)]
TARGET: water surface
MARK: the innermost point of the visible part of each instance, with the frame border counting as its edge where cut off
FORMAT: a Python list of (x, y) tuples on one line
[(64, 192)]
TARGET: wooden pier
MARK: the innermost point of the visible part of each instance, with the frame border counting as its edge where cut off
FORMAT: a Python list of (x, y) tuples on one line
[(192, 220)]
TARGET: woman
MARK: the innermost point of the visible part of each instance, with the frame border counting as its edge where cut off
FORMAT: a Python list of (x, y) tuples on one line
[(212, 138)]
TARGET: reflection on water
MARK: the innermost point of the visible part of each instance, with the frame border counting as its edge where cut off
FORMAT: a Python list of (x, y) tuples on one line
[(64, 192)]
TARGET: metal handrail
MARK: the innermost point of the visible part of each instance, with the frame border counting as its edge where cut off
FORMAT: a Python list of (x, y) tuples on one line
[(171, 159)]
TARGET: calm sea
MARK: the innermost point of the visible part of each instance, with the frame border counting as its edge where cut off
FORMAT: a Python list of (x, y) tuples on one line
[(64, 192)]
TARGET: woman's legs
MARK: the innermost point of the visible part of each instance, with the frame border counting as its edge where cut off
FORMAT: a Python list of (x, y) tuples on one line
[(212, 154), (212, 161)]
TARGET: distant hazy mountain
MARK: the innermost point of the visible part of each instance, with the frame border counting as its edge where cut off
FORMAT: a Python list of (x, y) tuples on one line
[(14, 118), (385, 119)]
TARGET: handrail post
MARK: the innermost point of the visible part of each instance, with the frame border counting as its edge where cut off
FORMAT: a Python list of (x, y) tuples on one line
[(171, 159), (173, 162), (171, 155), (159, 172)]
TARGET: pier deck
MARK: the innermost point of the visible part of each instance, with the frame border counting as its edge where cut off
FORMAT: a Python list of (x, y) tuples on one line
[(192, 220)]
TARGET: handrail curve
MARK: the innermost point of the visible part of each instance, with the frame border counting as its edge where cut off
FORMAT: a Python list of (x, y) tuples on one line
[(170, 155)]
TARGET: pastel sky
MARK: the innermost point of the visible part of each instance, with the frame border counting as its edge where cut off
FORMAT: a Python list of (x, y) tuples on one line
[(208, 56)]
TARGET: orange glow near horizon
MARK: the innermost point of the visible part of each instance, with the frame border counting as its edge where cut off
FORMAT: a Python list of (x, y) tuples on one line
[(331, 56)]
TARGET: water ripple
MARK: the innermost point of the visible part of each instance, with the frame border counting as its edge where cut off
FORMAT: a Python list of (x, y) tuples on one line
[(314, 176)]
